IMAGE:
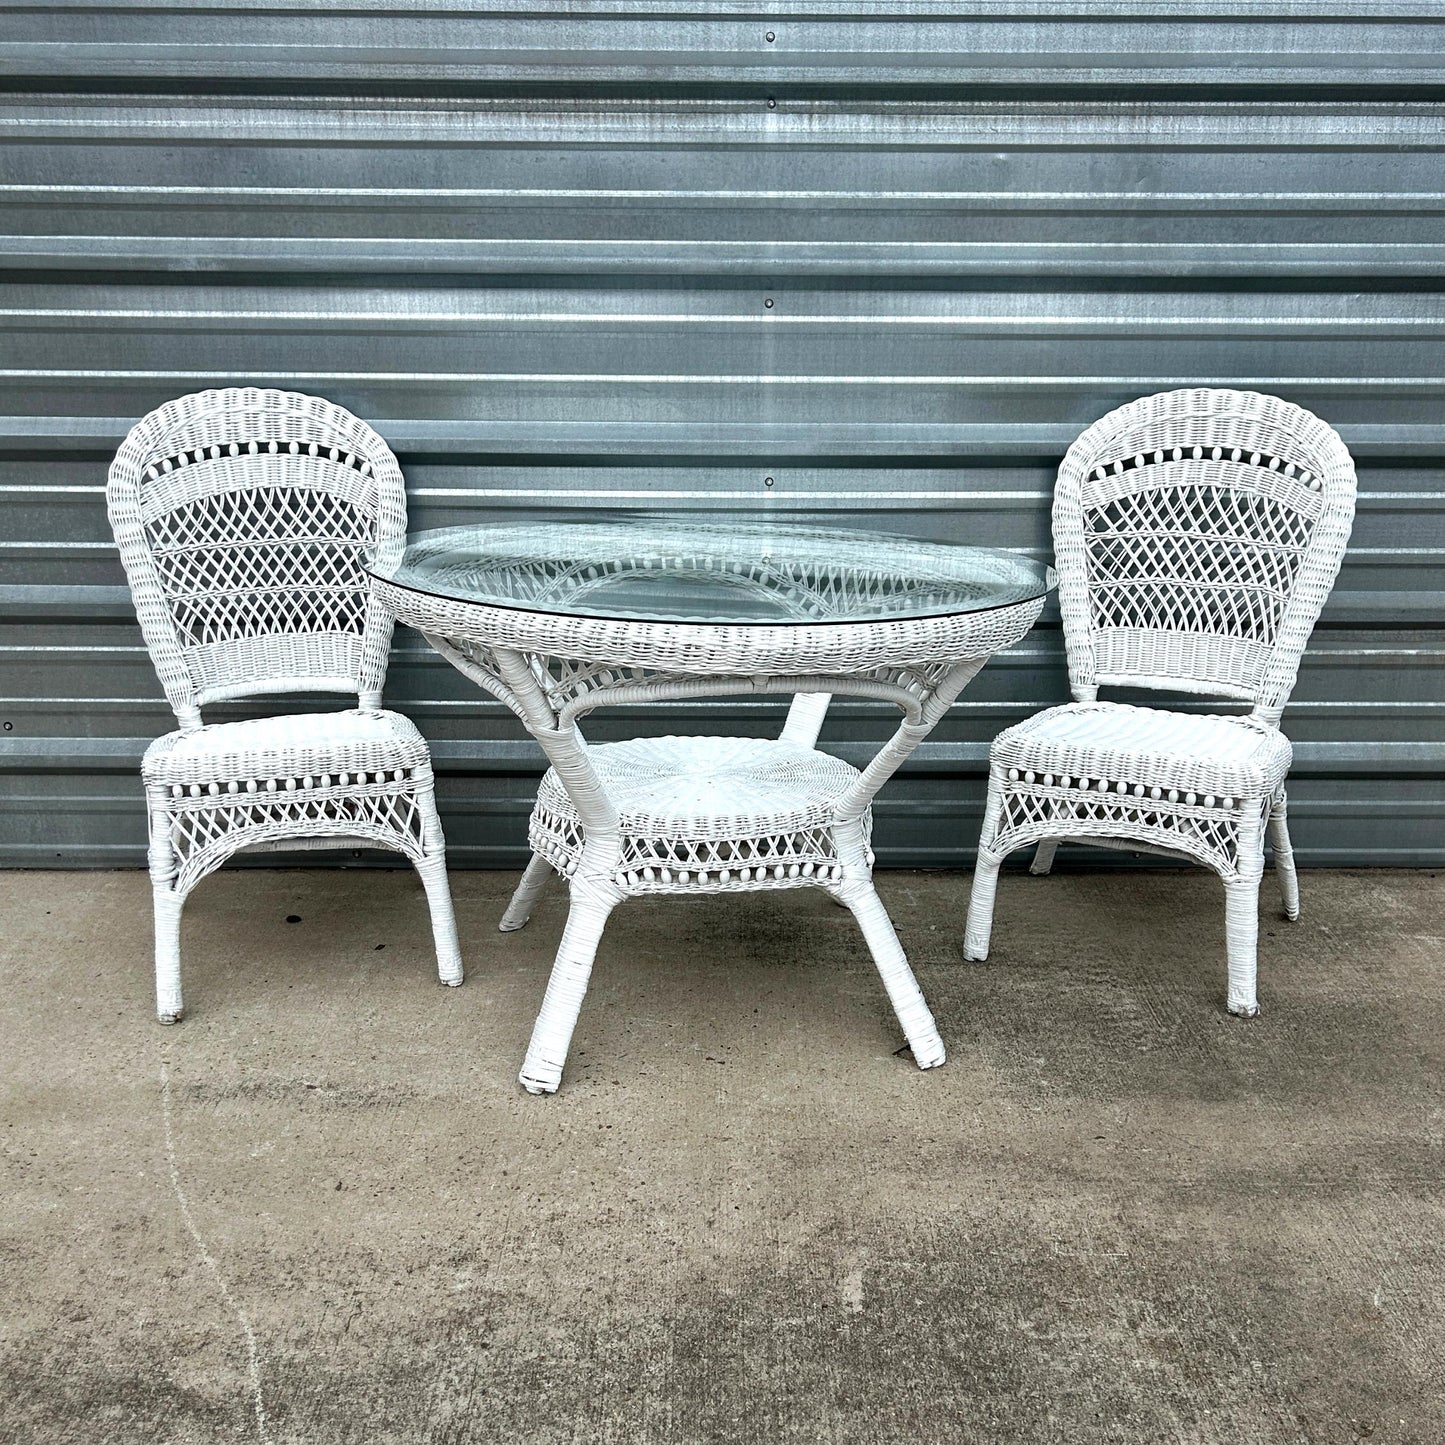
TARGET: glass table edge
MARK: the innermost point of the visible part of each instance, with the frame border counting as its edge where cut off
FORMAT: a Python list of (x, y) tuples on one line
[(1045, 580)]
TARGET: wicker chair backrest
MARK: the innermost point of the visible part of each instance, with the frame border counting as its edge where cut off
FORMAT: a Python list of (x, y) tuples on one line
[(245, 518), (1197, 535)]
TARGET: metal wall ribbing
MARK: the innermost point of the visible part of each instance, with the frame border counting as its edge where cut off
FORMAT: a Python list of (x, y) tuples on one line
[(876, 266)]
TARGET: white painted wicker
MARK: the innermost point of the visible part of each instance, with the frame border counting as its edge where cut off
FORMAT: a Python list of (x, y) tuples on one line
[(1197, 534), (708, 814), (245, 520)]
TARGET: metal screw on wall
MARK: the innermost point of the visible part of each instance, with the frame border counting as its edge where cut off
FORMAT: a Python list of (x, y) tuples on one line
[(768, 302), (770, 37)]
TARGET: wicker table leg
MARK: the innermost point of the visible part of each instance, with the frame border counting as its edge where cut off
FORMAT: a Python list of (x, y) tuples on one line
[(552, 1033)]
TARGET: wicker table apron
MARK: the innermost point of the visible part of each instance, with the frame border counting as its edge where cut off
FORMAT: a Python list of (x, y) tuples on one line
[(556, 619)]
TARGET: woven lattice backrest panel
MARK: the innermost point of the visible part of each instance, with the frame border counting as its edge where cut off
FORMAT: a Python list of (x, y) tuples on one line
[(1198, 534), (246, 519)]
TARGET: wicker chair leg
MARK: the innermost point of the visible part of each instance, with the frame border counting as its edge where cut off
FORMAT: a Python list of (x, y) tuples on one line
[(979, 927), (903, 991), (432, 866), (1044, 857), (1241, 931), (433, 871), (168, 902), (552, 1033), (1284, 857), (168, 905), (519, 910)]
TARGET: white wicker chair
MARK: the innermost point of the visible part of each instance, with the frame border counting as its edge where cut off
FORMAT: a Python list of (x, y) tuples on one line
[(245, 519), (1197, 535)]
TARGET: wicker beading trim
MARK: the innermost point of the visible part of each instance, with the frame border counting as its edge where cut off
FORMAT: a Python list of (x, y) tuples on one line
[(245, 519), (1148, 748), (307, 745), (1197, 536), (716, 649)]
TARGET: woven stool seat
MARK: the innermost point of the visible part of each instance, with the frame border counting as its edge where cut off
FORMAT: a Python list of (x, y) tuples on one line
[(705, 812)]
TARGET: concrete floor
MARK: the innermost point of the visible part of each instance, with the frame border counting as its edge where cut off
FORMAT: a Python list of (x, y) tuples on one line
[(321, 1210)]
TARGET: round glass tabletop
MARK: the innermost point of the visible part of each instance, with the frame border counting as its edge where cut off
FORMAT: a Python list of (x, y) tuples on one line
[(651, 569)]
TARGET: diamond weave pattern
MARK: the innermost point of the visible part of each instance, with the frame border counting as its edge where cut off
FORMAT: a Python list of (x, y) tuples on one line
[(263, 560), (1194, 557), (246, 519)]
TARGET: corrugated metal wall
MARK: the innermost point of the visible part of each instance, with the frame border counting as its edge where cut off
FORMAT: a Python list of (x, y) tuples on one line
[(877, 264)]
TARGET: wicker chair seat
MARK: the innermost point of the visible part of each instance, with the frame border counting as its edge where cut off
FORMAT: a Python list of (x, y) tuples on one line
[(298, 750), (705, 812), (1147, 751)]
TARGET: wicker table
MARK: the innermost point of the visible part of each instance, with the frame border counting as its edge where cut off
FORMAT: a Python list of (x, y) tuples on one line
[(558, 618)]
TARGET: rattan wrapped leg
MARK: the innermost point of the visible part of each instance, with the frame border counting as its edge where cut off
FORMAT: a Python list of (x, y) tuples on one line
[(552, 1033), (1241, 931), (433, 871), (1044, 857), (432, 866), (519, 910), (903, 992), (1283, 856), (979, 928), (168, 905)]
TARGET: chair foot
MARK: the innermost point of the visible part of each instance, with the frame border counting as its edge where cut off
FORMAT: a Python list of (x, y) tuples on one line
[(1244, 1011), (167, 904), (546, 1082), (433, 872), (1044, 857), (1284, 855)]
